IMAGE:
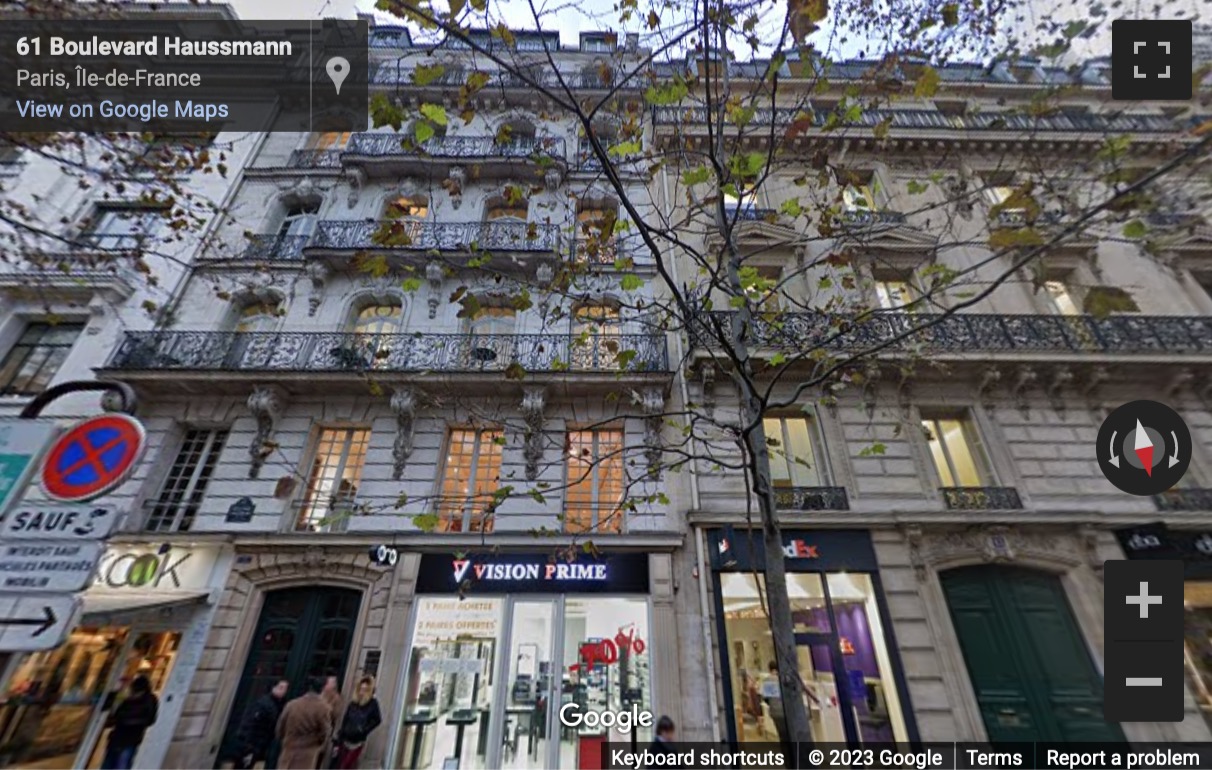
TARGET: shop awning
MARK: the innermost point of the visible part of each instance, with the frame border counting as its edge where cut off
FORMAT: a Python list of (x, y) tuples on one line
[(126, 602)]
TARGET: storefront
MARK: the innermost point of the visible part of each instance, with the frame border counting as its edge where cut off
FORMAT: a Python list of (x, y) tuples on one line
[(847, 656), (147, 614), (1194, 549), (502, 645)]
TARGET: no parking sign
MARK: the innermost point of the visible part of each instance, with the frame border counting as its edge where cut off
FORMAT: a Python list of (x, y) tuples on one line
[(92, 457)]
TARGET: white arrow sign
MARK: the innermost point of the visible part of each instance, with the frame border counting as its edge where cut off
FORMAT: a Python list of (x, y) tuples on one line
[(63, 520), (32, 623), (57, 567)]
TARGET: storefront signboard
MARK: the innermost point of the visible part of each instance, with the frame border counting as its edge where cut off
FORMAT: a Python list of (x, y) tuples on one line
[(826, 550), (533, 573), (61, 522), (35, 623), (1157, 541), (57, 566), (22, 442), (167, 567)]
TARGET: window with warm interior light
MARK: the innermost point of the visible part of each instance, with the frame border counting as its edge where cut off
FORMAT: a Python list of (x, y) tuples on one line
[(594, 481), (956, 449), (408, 207), (895, 294), (332, 484), (329, 140), (258, 317), (790, 445), (470, 479), (1061, 298), (507, 211), (595, 336)]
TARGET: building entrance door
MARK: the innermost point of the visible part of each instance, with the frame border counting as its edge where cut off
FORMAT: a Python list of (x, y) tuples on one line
[(302, 632), (1027, 660)]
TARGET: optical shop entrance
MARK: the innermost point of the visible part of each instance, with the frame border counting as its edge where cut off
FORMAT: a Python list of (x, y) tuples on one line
[(489, 673)]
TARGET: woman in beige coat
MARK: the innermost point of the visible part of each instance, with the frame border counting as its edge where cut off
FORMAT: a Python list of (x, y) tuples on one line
[(305, 729)]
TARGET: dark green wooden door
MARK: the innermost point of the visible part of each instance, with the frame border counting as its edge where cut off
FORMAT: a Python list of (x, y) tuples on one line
[(302, 632), (1032, 673)]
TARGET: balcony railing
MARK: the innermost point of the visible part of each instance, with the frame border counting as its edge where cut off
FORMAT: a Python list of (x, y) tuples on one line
[(391, 74), (351, 352), (749, 214), (981, 498), (980, 332), (929, 119), (871, 218), (314, 159), (1185, 499), (811, 499), (596, 251), (463, 147), (1020, 218), (268, 247), (410, 235)]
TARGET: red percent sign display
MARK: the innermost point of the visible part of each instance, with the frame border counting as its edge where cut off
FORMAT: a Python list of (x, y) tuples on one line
[(607, 650), (92, 457)]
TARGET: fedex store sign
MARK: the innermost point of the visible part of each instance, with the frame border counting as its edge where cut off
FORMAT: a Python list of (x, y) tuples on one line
[(533, 573)]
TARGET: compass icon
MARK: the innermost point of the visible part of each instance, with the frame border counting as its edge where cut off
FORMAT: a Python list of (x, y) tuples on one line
[(1144, 448)]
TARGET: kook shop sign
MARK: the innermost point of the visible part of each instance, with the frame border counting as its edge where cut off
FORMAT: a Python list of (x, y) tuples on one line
[(151, 568)]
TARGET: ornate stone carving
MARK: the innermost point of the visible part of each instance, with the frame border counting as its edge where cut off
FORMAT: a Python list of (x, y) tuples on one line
[(434, 274), (1062, 377), (913, 536), (318, 272), (552, 178), (545, 273), (1180, 380), (707, 382), (653, 404), (533, 401), (265, 403), (357, 180), (1024, 378), (994, 543), (990, 377), (871, 389), (313, 559), (1094, 380), (404, 404), (455, 181)]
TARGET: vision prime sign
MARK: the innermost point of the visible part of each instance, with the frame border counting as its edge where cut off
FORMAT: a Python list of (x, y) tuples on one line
[(533, 573)]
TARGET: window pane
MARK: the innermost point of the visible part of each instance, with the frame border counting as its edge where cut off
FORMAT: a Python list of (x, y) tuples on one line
[(865, 654), (893, 295), (32, 363), (332, 486), (801, 459), (185, 486), (594, 481), (936, 453), (776, 449), (471, 477), (1059, 294), (963, 454)]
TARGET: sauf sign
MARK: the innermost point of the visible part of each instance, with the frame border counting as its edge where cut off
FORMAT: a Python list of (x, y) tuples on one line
[(166, 568)]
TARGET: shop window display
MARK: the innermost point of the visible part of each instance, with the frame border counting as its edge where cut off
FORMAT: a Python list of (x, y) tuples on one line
[(488, 676), (842, 657), (57, 700)]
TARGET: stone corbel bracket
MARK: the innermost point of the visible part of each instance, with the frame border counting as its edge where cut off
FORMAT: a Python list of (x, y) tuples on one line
[(990, 377), (707, 372), (433, 275), (871, 389), (1181, 379), (1062, 377), (357, 180), (653, 404), (1024, 378), (265, 403), (457, 179), (904, 393), (403, 404), (553, 178), (318, 272), (533, 401), (1093, 384)]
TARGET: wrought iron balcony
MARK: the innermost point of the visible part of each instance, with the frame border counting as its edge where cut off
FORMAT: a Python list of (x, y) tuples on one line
[(1172, 219), (749, 214), (697, 117), (1012, 218), (461, 147), (1184, 499), (385, 353), (871, 218), (1126, 334), (411, 235), (400, 76), (981, 498), (314, 159), (273, 247), (812, 499), (596, 251)]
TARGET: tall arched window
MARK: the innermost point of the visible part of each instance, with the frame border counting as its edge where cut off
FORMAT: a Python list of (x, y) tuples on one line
[(258, 317), (595, 337), (375, 330), (595, 240), (492, 335), (253, 345)]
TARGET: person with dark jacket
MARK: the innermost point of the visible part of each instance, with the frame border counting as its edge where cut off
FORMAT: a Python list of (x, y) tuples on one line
[(128, 722), (305, 729), (663, 742), (256, 732), (362, 716)]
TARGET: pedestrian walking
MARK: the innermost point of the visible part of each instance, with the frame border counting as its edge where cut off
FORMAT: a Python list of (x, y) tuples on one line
[(256, 731), (332, 696), (362, 716), (128, 722), (304, 729)]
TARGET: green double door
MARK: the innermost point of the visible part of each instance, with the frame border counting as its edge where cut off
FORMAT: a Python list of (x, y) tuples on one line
[(302, 632), (1026, 657)]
